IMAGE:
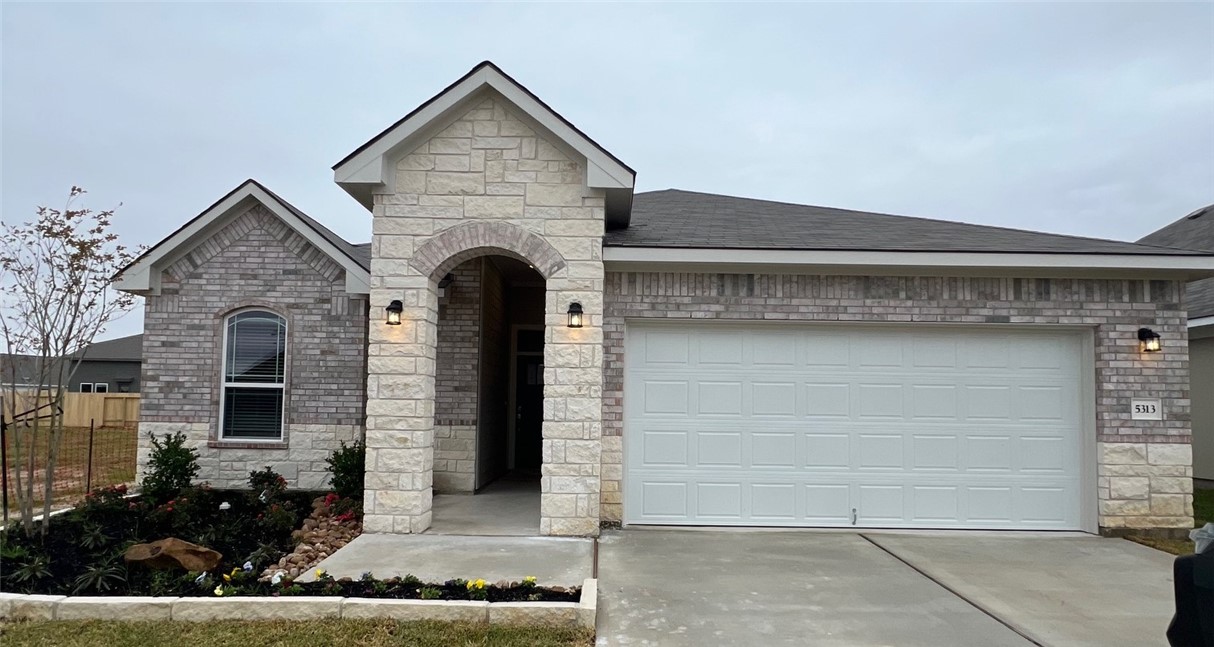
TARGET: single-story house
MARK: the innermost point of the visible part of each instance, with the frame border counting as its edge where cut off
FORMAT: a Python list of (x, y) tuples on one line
[(1196, 231), (666, 357), (110, 366)]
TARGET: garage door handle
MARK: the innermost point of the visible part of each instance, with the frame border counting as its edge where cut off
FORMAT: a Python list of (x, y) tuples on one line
[(853, 516)]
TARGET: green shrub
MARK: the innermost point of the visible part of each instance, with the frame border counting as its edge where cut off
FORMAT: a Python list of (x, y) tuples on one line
[(267, 484), (171, 467), (347, 471)]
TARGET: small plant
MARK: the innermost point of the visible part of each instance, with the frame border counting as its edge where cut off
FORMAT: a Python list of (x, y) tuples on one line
[(347, 471), (100, 577), (267, 483), (171, 467), (477, 589), (431, 593)]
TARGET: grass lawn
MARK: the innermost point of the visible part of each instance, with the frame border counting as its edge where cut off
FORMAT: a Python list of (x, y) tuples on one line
[(1203, 513), (312, 633), (114, 456)]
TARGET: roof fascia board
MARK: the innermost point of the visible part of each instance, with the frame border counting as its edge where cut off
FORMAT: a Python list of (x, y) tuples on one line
[(372, 164), (143, 276), (909, 263), (1201, 322)]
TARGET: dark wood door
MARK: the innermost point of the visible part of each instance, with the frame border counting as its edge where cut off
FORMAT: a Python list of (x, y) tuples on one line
[(529, 412)]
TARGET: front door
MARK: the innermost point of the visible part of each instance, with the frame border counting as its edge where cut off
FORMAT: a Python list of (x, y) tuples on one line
[(529, 411)]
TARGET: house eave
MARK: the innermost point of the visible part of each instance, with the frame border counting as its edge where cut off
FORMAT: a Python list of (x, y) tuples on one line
[(867, 262), (368, 170)]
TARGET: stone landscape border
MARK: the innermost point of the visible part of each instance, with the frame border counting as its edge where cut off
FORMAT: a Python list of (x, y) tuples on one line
[(15, 606)]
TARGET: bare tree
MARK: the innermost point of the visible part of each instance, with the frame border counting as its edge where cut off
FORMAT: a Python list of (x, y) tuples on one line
[(55, 297)]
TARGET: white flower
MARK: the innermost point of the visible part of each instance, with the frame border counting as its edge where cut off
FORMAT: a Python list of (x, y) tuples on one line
[(201, 577), (277, 579), (264, 497), (219, 590), (225, 506), (248, 566)]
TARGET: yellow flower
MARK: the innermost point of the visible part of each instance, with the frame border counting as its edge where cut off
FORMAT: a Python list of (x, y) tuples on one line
[(320, 572), (480, 584), (470, 585), (530, 579), (219, 590), (227, 578)]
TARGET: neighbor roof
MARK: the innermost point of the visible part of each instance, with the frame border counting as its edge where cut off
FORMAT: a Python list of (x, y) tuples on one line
[(686, 219), (123, 349), (1195, 231)]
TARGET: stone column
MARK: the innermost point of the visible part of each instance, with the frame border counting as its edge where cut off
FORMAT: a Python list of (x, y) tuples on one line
[(400, 408)]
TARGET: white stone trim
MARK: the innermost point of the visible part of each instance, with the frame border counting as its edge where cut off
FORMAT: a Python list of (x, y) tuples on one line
[(143, 275), (15, 606), (372, 167), (1201, 321), (1022, 265)]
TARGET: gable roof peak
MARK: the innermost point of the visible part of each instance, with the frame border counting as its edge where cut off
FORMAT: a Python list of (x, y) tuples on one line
[(368, 170)]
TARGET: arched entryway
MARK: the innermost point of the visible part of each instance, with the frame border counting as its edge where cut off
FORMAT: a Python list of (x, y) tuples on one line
[(489, 398)]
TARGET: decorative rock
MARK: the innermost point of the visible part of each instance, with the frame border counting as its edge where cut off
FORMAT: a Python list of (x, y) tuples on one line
[(115, 608), (257, 608), (548, 614), (173, 553), (410, 610), (34, 607)]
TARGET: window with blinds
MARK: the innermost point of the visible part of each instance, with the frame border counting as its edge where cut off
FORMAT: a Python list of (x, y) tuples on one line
[(254, 375)]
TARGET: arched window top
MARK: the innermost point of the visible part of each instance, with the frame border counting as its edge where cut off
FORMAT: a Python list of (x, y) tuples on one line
[(254, 375), (256, 347)]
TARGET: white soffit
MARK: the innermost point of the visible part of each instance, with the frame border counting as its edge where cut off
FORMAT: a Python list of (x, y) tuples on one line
[(894, 262), (368, 169), (143, 275)]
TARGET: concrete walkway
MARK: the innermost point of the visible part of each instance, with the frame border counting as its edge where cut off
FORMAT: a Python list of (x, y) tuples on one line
[(671, 587), (507, 507), (436, 558)]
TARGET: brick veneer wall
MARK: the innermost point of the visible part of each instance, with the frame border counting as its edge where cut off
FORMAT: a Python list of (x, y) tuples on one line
[(488, 183), (255, 260), (1144, 466), (457, 365)]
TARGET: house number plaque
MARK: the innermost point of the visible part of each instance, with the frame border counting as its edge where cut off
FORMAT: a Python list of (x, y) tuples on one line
[(1146, 409)]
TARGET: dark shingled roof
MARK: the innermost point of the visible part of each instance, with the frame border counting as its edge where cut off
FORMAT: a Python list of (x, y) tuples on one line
[(1195, 231), (123, 349), (686, 219)]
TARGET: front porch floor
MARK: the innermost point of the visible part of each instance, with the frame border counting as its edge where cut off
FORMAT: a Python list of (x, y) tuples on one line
[(553, 561), (509, 506)]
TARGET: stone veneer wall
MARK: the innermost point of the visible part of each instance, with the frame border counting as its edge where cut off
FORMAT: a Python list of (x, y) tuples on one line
[(255, 260), (457, 365), (488, 183), (1145, 467)]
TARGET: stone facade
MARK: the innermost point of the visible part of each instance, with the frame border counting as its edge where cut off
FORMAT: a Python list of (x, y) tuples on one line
[(255, 260), (457, 367), (1144, 477), (488, 183)]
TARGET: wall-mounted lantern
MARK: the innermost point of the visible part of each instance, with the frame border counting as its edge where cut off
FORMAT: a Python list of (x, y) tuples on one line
[(442, 285), (575, 315), (393, 311), (1148, 340)]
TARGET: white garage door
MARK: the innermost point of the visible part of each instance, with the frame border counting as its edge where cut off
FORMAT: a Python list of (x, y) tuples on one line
[(793, 425)]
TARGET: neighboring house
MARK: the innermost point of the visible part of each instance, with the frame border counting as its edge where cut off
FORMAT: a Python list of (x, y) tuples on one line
[(666, 357), (110, 366), (1196, 232)]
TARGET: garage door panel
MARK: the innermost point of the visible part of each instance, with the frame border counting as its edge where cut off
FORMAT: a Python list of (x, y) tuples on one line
[(800, 425)]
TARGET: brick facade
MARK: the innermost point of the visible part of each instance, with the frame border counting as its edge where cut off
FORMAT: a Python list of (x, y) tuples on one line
[(255, 260), (1144, 466), (487, 184)]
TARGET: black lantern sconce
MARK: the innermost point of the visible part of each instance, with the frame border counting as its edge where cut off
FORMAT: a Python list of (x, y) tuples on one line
[(1148, 340), (393, 311), (575, 315)]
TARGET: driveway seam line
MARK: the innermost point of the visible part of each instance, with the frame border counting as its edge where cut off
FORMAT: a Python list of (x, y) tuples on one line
[(946, 587)]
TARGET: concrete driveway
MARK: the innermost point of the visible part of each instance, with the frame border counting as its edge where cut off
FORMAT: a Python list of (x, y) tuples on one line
[(672, 587)]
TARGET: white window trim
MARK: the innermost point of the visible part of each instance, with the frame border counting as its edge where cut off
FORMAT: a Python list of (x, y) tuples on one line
[(103, 384), (224, 383), (82, 385)]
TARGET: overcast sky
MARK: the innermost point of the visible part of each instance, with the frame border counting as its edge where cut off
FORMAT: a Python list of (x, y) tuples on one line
[(1086, 119)]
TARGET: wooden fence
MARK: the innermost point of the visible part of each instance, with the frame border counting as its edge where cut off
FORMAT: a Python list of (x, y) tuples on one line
[(103, 409)]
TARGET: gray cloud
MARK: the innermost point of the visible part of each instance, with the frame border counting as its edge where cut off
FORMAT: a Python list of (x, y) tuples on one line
[(1087, 119)]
